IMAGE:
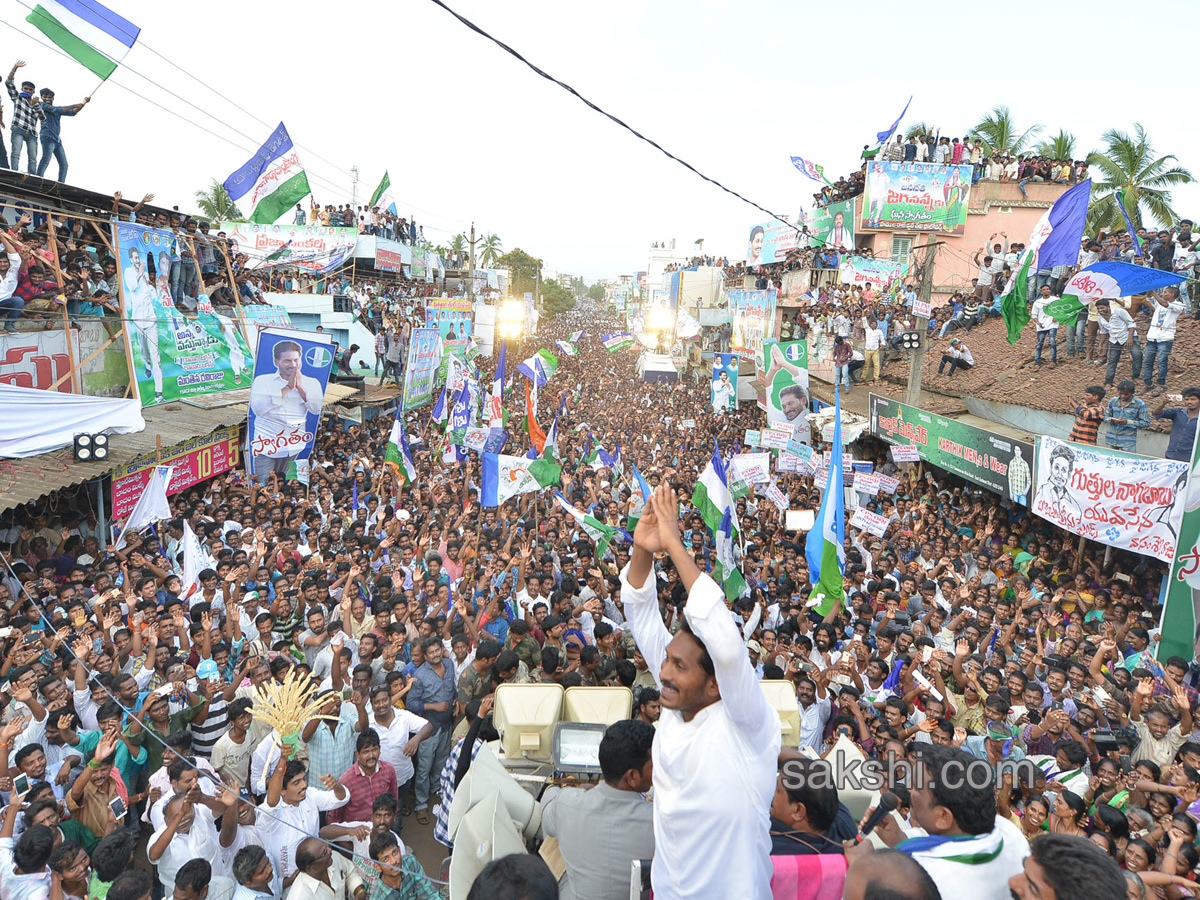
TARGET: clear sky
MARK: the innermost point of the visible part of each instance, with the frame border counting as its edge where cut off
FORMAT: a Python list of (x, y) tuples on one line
[(470, 134)]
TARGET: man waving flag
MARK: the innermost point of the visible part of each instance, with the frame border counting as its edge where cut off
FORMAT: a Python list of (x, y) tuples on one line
[(398, 456), (825, 546)]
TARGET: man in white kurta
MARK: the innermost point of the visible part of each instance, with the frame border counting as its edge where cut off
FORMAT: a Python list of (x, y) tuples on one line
[(716, 748)]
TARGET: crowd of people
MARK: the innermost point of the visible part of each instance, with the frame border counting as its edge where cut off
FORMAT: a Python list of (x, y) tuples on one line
[(970, 632)]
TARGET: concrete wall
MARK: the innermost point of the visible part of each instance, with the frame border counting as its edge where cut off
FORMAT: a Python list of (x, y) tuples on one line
[(995, 206), (1057, 425)]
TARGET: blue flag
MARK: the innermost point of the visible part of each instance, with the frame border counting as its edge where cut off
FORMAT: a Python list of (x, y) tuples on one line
[(883, 136), (1137, 241), (1057, 235)]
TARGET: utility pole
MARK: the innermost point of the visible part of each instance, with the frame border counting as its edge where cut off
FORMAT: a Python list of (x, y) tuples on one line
[(926, 290), (471, 276), (354, 186)]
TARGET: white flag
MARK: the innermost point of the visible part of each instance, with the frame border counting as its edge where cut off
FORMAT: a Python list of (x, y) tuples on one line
[(152, 506), (195, 560)]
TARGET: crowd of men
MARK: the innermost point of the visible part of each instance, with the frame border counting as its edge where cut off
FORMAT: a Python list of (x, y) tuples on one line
[(971, 632)]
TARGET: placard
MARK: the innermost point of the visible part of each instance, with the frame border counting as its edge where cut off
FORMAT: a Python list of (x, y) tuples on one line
[(777, 438), (794, 519), (754, 468), (907, 453), (922, 308), (866, 483), (688, 423), (868, 521), (888, 485), (753, 439)]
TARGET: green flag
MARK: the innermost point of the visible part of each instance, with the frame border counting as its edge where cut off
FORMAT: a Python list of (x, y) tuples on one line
[(380, 191), (1013, 307), (1065, 310)]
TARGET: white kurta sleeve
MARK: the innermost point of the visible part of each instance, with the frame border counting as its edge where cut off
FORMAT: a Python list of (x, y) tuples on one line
[(641, 611), (744, 700)]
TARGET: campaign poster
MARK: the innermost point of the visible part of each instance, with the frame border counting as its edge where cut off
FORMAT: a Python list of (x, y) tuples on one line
[(831, 226), (315, 248), (912, 196), (752, 316), (785, 381), (291, 370), (176, 352), (419, 369), (1118, 499), (724, 382), (863, 270), (770, 242), (452, 318)]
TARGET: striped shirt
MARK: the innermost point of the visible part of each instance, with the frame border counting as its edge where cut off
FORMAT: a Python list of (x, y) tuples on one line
[(331, 751), (1087, 424)]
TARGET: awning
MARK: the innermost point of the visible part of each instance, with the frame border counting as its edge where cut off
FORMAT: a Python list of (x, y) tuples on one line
[(23, 480)]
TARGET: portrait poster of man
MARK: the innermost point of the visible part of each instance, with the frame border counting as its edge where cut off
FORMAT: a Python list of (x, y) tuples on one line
[(724, 382), (786, 382), (291, 370)]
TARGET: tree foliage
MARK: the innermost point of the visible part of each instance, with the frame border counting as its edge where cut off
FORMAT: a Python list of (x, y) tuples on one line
[(998, 131), (1128, 164), (524, 270), (216, 205), (489, 253), (596, 292), (556, 298)]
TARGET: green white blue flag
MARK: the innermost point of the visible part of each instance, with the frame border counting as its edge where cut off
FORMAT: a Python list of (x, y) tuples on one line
[(272, 181)]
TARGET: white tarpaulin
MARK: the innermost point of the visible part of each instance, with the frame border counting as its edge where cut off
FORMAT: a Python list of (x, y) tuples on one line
[(33, 421), (1117, 499)]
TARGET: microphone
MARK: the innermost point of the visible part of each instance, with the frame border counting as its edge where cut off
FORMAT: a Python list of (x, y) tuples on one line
[(887, 803)]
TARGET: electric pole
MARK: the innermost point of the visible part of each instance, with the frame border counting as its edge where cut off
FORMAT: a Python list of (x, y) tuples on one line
[(918, 361), (354, 186), (471, 275)]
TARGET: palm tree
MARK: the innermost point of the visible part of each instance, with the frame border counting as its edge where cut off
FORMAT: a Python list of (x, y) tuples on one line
[(1128, 165), (1061, 146), (216, 205), (998, 131), (491, 251), (917, 128), (458, 244)]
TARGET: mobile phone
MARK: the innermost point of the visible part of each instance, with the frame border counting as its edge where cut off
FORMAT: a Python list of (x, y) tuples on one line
[(164, 691), (1101, 694), (118, 807), (6, 632), (21, 784), (347, 694)]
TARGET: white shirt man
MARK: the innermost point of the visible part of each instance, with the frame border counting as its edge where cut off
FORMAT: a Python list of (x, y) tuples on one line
[(1045, 321), (714, 774), (872, 337), (1162, 325), (393, 737), (281, 403)]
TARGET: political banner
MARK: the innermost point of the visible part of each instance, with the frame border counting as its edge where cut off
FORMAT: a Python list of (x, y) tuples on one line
[(419, 369), (831, 226), (863, 270), (1000, 464), (174, 354), (753, 316), (291, 370), (868, 521), (866, 483), (1118, 499), (753, 438), (912, 196), (783, 373), (391, 256), (453, 319), (191, 462), (1181, 609), (771, 242), (905, 453), (724, 383), (753, 468), (37, 359), (315, 248)]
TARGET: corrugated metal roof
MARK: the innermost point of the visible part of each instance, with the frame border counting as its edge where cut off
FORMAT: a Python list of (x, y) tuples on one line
[(22, 480)]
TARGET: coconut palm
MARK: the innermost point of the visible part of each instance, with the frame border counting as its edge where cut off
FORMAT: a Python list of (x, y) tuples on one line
[(490, 251), (917, 128), (998, 131), (1061, 146), (216, 205), (1128, 166), (458, 244)]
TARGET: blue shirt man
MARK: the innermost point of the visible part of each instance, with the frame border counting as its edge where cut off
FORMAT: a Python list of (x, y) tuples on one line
[(1124, 415), (1183, 424)]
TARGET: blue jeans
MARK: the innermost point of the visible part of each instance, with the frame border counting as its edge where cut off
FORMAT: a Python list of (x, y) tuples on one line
[(10, 311), (28, 140), (1042, 337), (841, 375), (1114, 357), (52, 146), (1161, 350), (1075, 336), (183, 279), (431, 759)]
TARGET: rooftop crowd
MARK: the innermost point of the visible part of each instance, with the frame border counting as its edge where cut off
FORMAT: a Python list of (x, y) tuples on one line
[(1009, 643)]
